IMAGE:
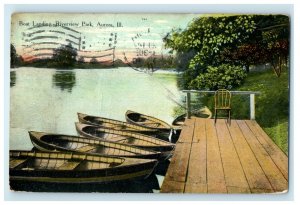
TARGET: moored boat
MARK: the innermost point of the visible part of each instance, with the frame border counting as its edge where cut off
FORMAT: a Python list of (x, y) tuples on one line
[(179, 121), (126, 138), (147, 121), (59, 142), (64, 167), (119, 125), (204, 112)]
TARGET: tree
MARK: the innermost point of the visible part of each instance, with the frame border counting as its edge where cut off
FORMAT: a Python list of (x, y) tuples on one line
[(275, 36), (208, 36), (269, 43), (13, 56), (182, 59), (138, 62), (65, 56), (93, 60), (80, 59), (241, 40)]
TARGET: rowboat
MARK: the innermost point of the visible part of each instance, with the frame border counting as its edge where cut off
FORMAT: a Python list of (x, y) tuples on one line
[(64, 167), (59, 142), (119, 125), (179, 121), (126, 138), (147, 121)]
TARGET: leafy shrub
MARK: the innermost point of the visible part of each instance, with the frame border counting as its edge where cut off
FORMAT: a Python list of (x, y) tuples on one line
[(224, 76)]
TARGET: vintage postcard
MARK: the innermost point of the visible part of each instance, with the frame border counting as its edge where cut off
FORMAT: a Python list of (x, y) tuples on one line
[(149, 103)]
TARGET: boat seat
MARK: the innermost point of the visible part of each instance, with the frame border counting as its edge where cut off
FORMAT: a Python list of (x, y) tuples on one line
[(69, 165), (152, 124), (117, 139), (16, 162), (85, 148)]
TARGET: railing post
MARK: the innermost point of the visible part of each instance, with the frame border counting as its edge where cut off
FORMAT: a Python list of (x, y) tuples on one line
[(252, 106), (188, 105)]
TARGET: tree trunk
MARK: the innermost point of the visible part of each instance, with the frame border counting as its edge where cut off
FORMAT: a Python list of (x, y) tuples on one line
[(276, 63), (247, 68), (275, 69)]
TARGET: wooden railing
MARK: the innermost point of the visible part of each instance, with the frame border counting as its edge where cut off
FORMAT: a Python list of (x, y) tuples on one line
[(251, 93)]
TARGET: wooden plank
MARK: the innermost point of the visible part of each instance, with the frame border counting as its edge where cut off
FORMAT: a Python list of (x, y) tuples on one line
[(17, 162), (277, 180), (255, 175), (70, 165), (278, 156), (172, 187), (215, 175), (179, 163), (197, 162), (238, 190), (216, 188), (187, 131), (262, 191), (199, 130), (233, 171), (191, 187), (86, 148)]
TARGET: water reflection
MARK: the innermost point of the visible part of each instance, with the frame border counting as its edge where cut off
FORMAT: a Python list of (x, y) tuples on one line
[(65, 80), (162, 168), (13, 78)]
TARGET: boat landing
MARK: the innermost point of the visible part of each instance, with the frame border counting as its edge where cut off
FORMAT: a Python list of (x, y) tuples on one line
[(223, 158)]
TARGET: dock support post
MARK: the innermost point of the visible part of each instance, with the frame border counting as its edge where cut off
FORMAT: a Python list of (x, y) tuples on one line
[(252, 106), (188, 105)]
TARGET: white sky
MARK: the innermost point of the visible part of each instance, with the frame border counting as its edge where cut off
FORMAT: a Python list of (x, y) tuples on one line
[(143, 31)]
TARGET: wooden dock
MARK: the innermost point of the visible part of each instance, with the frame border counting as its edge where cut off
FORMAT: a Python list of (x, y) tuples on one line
[(223, 158)]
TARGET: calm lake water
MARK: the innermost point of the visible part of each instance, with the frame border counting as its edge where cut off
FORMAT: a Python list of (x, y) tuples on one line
[(48, 99)]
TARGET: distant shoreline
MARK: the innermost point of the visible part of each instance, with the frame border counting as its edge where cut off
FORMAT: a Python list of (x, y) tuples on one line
[(171, 71), (160, 70)]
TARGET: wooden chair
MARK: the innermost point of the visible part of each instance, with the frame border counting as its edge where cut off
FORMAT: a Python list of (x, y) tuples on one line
[(222, 102)]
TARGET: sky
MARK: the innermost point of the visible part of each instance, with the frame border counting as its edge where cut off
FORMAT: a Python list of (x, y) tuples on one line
[(132, 35)]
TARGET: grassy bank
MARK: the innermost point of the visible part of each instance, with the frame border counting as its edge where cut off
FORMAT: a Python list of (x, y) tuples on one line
[(272, 105)]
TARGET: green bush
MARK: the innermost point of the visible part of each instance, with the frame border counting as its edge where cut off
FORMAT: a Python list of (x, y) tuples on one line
[(223, 76)]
